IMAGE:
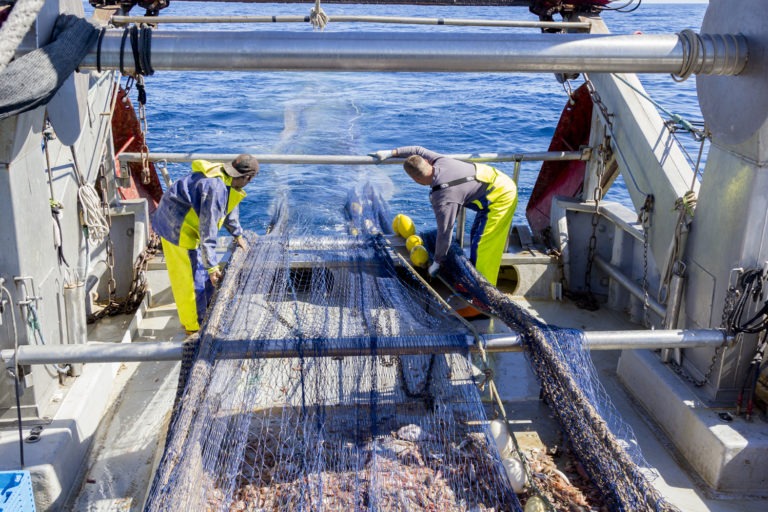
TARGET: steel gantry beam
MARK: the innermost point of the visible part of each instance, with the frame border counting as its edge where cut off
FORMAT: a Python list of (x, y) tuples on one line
[(425, 52)]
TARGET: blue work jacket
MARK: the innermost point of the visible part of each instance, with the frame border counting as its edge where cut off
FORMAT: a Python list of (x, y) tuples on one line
[(195, 207)]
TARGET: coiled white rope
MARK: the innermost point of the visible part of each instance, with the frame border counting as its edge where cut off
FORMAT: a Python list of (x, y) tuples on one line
[(16, 27), (92, 213)]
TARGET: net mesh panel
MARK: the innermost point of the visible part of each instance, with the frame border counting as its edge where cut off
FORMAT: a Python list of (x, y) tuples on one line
[(603, 442), (309, 432)]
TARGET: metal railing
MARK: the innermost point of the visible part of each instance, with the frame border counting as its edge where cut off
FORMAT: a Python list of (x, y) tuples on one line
[(241, 349), (584, 154), (398, 20)]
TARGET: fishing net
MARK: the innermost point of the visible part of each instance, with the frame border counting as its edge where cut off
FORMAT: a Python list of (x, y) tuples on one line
[(327, 377), (603, 442)]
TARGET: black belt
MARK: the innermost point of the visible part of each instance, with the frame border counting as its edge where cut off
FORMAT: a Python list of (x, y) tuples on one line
[(465, 179)]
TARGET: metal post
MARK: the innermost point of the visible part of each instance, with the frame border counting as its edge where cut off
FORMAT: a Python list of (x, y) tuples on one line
[(425, 52), (516, 172), (74, 305), (240, 349), (674, 300)]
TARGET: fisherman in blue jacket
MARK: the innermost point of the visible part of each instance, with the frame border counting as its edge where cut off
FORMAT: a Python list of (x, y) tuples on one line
[(188, 220)]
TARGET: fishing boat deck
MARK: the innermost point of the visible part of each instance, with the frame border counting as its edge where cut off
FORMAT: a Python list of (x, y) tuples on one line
[(129, 442)]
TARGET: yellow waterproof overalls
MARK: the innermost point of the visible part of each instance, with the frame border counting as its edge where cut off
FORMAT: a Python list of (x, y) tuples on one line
[(191, 286), (490, 230)]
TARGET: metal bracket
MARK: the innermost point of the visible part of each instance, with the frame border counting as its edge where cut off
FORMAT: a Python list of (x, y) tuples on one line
[(162, 166), (8, 357), (733, 277), (124, 179), (28, 299)]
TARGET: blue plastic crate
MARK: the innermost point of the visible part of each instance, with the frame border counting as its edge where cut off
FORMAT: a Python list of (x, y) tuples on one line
[(16, 492)]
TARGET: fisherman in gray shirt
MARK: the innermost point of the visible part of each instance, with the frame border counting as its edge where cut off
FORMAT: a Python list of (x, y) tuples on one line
[(479, 187)]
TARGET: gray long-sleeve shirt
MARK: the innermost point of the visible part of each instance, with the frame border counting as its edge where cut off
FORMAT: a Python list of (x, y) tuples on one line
[(446, 201)]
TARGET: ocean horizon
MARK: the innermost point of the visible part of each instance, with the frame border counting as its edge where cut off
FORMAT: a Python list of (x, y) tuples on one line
[(355, 113)]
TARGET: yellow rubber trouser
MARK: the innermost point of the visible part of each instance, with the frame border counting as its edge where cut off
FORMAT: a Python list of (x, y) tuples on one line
[(491, 228), (188, 292)]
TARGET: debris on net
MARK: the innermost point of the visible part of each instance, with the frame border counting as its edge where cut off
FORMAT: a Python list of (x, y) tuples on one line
[(569, 488), (412, 471)]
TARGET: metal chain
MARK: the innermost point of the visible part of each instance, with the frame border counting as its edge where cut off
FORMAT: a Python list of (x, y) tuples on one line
[(588, 301), (731, 298), (678, 369), (111, 284), (598, 102), (139, 283), (569, 91), (644, 218), (129, 84), (715, 357), (145, 174)]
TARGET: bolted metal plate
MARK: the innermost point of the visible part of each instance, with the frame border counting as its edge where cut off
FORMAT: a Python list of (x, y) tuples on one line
[(736, 107)]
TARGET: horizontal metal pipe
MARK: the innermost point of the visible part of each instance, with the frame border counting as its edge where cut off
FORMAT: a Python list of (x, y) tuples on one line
[(632, 287), (172, 351), (623, 340), (425, 52), (356, 160), (400, 20), (655, 338), (95, 352)]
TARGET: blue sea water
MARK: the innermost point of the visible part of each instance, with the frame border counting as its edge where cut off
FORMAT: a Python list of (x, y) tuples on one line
[(357, 113)]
